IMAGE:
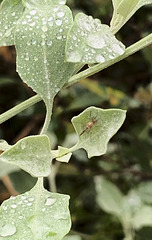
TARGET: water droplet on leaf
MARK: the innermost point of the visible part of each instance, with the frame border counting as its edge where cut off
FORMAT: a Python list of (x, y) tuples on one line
[(7, 230), (50, 201)]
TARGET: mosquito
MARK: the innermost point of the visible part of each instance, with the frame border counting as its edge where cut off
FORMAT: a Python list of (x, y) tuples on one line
[(89, 125)]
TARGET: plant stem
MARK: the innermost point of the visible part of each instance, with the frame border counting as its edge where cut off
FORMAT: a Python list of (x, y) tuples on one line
[(47, 119), (84, 74), (19, 108), (98, 67)]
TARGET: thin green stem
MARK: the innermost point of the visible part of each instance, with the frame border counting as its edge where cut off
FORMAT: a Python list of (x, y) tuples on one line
[(98, 67), (47, 119), (19, 108), (146, 41)]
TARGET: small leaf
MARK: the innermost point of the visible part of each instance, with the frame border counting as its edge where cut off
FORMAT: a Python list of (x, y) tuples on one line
[(10, 12), (32, 154), (37, 214), (40, 44), (89, 41), (123, 11), (63, 154), (109, 198), (143, 217), (95, 127)]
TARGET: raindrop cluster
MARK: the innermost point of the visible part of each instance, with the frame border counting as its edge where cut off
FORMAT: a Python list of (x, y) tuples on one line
[(90, 41)]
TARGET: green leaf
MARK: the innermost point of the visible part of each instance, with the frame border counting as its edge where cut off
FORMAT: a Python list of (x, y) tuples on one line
[(63, 154), (109, 198), (40, 44), (95, 127), (32, 154), (89, 41), (143, 217), (37, 214), (123, 11), (10, 12), (6, 168)]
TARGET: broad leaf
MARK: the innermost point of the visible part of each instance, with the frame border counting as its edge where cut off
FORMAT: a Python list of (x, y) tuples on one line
[(95, 127), (32, 154), (143, 217), (37, 214), (123, 11), (10, 12), (40, 43), (89, 41), (109, 198)]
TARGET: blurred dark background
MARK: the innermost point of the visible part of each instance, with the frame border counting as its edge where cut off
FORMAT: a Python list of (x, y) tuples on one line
[(128, 162)]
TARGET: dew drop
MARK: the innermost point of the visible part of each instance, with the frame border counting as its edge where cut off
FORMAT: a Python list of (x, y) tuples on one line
[(100, 58), (14, 206), (24, 22), (62, 2), (35, 59), (27, 58), (74, 37), (50, 19), (4, 208), (55, 9), (60, 14), (31, 199), (50, 24), (8, 33), (43, 43), (44, 28), (95, 41), (50, 201), (32, 24), (117, 49), (49, 42), (33, 12), (59, 37), (34, 42), (29, 204), (58, 22), (8, 230)]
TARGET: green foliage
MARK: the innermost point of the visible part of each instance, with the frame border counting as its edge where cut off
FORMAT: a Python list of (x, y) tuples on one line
[(37, 214), (40, 44), (32, 154), (95, 127), (132, 212), (51, 48)]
